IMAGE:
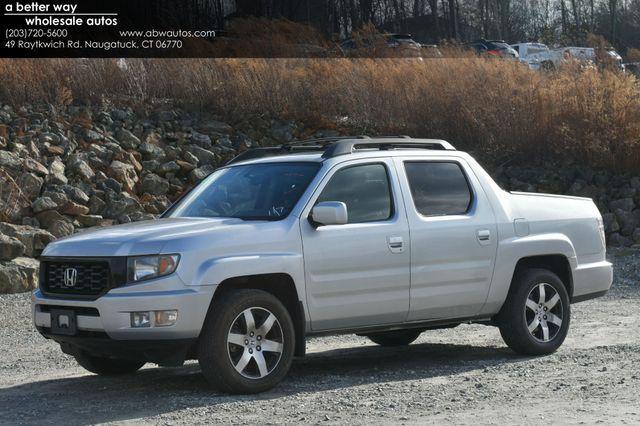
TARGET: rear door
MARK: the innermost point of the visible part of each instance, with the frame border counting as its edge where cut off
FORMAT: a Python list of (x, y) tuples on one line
[(357, 274), (453, 237)]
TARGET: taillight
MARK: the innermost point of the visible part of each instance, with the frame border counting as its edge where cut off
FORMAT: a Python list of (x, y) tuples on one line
[(493, 52), (601, 230)]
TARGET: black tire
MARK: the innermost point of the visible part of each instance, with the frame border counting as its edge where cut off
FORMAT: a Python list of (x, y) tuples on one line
[(395, 338), (107, 366), (215, 352), (515, 317)]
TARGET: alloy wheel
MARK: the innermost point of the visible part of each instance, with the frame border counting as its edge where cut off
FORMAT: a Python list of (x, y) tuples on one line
[(255, 343), (543, 312)]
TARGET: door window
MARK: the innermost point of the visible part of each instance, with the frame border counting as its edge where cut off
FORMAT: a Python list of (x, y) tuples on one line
[(438, 188), (364, 189)]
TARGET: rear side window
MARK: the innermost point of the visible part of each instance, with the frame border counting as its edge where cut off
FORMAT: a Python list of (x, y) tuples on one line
[(438, 188), (364, 189)]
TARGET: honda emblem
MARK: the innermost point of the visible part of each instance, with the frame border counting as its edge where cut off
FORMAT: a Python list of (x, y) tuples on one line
[(70, 276)]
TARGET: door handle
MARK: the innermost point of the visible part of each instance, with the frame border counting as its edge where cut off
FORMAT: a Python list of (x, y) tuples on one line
[(484, 235), (396, 244)]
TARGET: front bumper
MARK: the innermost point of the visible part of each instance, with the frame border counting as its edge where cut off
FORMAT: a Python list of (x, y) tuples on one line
[(113, 317)]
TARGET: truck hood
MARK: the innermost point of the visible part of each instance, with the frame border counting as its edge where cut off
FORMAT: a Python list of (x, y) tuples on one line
[(139, 238)]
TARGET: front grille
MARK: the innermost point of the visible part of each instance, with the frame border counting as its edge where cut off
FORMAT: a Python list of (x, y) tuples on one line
[(92, 278)]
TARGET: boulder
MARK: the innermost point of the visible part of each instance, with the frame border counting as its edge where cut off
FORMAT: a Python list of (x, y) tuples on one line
[(617, 240), (57, 195), (216, 126), (154, 184), (48, 217), (190, 158), (120, 204), (93, 220), (282, 132), (204, 156), (92, 136), (10, 160), (185, 166), (33, 239), (120, 114), (628, 221), (75, 194), (169, 167), (43, 204), (200, 173), (33, 166), (97, 205), (80, 168), (127, 139), (10, 247), (18, 275), (61, 228), (201, 139), (610, 223), (625, 204), (55, 150), (30, 185), (75, 209), (151, 151), (125, 174)]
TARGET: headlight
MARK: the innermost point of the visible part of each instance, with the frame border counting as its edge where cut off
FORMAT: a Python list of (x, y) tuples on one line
[(141, 268)]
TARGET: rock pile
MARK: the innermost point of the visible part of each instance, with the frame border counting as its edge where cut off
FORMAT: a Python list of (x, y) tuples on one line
[(62, 171)]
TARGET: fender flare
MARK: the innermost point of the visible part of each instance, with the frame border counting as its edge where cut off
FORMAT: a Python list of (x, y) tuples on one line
[(512, 250)]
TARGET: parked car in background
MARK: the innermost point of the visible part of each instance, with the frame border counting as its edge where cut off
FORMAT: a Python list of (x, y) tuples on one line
[(402, 42), (610, 56), (534, 55), (539, 56), (585, 55), (633, 68), (496, 48), (430, 51)]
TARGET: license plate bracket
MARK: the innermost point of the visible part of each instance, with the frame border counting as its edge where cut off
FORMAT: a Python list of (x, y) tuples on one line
[(63, 321)]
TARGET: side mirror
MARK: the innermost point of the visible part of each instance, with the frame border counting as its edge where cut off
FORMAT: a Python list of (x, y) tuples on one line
[(330, 213)]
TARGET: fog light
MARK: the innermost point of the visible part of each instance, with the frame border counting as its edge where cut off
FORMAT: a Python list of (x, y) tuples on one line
[(140, 319), (165, 318)]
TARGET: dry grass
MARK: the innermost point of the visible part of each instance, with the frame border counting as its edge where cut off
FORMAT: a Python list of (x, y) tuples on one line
[(497, 109)]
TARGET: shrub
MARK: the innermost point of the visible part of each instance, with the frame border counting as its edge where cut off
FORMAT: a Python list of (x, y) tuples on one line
[(497, 109)]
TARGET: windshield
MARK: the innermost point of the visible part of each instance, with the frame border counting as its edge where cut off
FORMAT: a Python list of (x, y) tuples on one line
[(266, 191)]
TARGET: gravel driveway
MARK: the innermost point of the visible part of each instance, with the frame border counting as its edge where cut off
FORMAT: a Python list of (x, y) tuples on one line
[(464, 375)]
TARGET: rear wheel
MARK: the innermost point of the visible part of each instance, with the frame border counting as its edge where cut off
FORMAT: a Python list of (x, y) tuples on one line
[(247, 342), (536, 315), (107, 366), (395, 338)]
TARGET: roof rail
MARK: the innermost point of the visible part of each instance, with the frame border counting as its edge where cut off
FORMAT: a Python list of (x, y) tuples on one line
[(342, 145), (264, 152), (348, 146)]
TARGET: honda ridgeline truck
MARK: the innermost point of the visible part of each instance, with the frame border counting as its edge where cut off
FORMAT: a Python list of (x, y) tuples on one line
[(383, 237)]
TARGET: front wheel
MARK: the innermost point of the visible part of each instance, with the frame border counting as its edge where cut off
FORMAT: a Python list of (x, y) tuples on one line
[(536, 315), (107, 366), (247, 342)]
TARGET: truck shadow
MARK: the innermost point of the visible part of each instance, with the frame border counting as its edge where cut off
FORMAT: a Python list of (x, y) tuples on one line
[(151, 392)]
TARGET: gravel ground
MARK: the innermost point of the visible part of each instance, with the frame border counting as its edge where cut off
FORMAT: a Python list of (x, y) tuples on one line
[(464, 375)]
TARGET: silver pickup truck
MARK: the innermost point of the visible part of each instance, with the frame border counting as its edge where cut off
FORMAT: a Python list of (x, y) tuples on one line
[(383, 237)]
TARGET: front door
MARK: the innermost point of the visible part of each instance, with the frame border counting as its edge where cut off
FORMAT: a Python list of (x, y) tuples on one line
[(357, 274)]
